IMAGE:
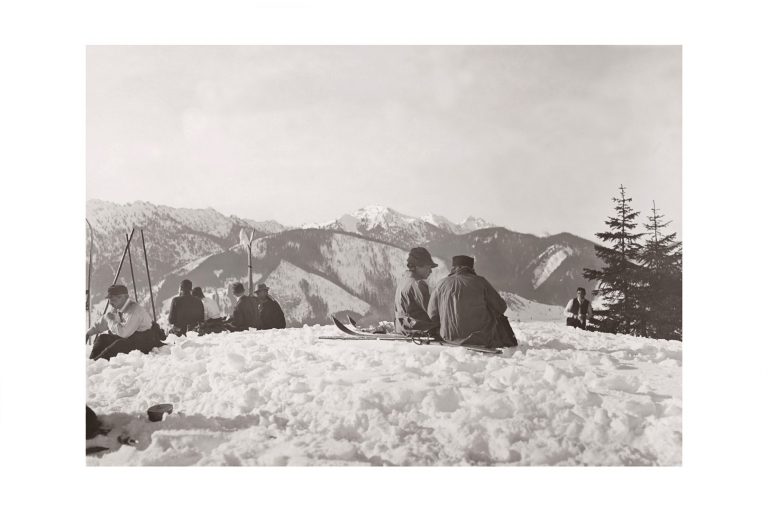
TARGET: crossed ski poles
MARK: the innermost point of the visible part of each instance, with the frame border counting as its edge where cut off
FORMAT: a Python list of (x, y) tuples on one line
[(127, 250)]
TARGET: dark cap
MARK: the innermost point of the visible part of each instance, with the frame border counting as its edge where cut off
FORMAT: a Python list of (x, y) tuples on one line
[(238, 288), (463, 261), (116, 289), (186, 284), (262, 287), (420, 257)]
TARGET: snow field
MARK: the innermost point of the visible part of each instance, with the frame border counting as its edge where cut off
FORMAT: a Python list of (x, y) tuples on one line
[(564, 397)]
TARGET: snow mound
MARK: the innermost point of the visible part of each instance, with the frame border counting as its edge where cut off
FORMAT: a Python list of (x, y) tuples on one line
[(564, 397)]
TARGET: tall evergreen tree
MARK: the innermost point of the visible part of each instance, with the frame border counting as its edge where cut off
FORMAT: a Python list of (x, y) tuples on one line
[(618, 279), (662, 284)]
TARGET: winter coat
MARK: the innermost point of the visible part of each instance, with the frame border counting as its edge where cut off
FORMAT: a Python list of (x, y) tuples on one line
[(411, 302), (270, 314), (468, 309), (186, 311), (245, 314), (131, 318)]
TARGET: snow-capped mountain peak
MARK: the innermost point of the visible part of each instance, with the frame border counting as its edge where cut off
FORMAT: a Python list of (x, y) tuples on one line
[(474, 223), (377, 216), (440, 222)]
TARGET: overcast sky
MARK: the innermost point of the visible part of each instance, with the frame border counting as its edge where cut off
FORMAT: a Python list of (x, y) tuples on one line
[(534, 138)]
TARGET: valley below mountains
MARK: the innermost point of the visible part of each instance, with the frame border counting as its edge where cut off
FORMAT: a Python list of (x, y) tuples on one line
[(347, 266)]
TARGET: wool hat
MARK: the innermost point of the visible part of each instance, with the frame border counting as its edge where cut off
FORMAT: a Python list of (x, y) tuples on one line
[(262, 287), (463, 261), (420, 257), (238, 288), (185, 285), (116, 289)]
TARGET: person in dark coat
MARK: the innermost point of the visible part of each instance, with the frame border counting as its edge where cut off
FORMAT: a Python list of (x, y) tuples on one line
[(186, 310), (470, 311), (578, 310), (270, 313), (129, 326), (245, 314), (412, 296)]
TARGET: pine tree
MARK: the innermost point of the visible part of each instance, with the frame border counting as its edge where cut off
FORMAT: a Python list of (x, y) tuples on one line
[(662, 282), (618, 280)]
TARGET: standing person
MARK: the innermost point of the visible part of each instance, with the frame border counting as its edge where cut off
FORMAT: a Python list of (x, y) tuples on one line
[(412, 296), (129, 327), (213, 320), (186, 311), (578, 310), (245, 314), (470, 311), (270, 313)]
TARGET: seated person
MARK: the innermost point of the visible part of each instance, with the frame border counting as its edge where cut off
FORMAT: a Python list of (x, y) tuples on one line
[(214, 322), (129, 325), (578, 310), (186, 311), (270, 313), (245, 314)]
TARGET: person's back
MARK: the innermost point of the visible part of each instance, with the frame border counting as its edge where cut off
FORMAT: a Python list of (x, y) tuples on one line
[(468, 307), (412, 295), (186, 311), (411, 302), (245, 314)]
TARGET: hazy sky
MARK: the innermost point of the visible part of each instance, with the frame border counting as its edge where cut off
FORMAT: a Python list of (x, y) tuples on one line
[(534, 138)]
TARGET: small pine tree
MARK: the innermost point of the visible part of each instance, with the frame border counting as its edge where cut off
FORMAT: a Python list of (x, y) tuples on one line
[(662, 281), (618, 279)]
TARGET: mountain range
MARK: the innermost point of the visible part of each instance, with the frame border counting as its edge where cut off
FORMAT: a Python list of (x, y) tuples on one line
[(348, 265)]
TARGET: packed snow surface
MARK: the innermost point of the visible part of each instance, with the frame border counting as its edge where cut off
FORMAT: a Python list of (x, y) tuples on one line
[(564, 397)]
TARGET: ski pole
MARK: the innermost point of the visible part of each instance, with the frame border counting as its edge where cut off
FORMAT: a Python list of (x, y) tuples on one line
[(88, 283), (130, 265), (149, 280), (117, 274)]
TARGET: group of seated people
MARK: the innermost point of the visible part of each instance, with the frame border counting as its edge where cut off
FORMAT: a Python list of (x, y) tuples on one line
[(193, 311), (129, 327), (464, 308)]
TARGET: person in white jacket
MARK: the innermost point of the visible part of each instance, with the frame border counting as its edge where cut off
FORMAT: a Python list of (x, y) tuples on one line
[(578, 310), (128, 323), (211, 309)]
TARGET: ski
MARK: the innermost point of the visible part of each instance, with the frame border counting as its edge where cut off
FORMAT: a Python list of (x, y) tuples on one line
[(346, 330), (353, 335), (352, 321)]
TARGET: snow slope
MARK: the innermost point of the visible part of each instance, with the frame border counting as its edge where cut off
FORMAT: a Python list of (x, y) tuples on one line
[(564, 397)]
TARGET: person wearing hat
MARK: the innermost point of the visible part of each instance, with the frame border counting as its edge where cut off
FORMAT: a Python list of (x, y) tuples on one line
[(470, 311), (412, 296), (270, 313), (245, 315), (128, 323), (186, 310)]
